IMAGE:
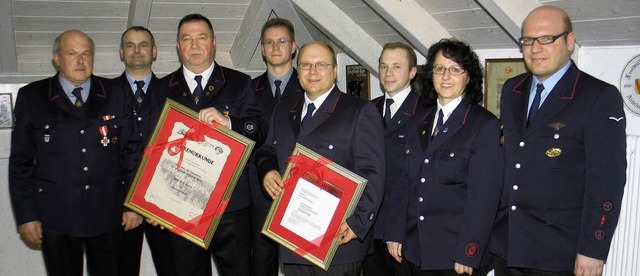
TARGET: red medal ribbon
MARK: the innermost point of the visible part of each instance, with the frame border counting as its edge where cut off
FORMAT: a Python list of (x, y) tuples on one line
[(104, 131)]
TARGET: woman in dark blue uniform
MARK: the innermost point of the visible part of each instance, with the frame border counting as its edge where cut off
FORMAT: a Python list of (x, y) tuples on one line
[(446, 206)]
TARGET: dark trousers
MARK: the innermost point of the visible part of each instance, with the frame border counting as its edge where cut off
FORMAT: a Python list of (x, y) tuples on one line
[(230, 248), (64, 255), (380, 263), (350, 269), (501, 269), (264, 251), (161, 253), (131, 250), (416, 271)]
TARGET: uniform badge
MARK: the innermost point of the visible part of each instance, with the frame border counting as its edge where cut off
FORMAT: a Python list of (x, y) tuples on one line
[(557, 125), (599, 235), (472, 250), (47, 135), (104, 131), (115, 139), (553, 152), (249, 127)]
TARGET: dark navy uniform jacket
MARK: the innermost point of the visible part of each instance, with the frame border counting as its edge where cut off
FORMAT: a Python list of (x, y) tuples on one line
[(69, 167), (264, 94), (448, 203), (564, 174), (348, 131), (230, 92), (142, 114), (394, 146)]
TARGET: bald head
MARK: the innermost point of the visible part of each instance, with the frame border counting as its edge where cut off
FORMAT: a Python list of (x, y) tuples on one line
[(73, 56), (74, 34), (549, 13), (553, 23)]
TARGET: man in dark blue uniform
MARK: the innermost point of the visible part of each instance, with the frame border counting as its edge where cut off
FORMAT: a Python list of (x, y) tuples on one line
[(345, 129), (138, 51), (225, 96), (397, 65), (279, 82), (73, 153), (565, 145)]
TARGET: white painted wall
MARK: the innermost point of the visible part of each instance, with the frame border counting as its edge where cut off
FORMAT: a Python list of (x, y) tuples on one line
[(605, 63)]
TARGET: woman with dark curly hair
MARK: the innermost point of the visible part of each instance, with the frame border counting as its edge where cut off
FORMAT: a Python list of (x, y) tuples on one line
[(453, 183)]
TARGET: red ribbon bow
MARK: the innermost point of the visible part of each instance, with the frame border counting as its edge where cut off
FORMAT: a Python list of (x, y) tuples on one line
[(196, 134)]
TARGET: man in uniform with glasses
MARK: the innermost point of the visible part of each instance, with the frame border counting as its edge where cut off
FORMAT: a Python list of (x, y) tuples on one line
[(278, 83), (345, 129), (564, 142)]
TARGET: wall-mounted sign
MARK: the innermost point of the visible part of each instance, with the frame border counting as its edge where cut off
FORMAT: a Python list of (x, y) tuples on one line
[(630, 85)]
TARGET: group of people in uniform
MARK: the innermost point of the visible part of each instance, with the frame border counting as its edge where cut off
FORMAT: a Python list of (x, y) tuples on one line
[(451, 189)]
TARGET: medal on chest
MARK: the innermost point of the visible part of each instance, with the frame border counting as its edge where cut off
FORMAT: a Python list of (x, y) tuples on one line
[(104, 131)]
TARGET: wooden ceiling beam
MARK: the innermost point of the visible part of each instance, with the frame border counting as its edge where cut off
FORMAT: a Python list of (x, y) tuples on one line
[(342, 30), (510, 14), (403, 15), (139, 13)]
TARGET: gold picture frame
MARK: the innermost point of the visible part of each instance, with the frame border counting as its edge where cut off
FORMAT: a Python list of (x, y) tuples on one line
[(497, 72), (188, 173), (319, 194)]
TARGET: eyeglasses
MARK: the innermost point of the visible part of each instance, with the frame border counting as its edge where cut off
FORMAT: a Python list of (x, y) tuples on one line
[(280, 42), (543, 40), (454, 71), (318, 66)]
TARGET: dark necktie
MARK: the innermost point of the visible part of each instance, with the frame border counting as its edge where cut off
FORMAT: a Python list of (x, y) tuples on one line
[(77, 92), (278, 91), (197, 93), (439, 124), (387, 111), (310, 108), (536, 102), (139, 92)]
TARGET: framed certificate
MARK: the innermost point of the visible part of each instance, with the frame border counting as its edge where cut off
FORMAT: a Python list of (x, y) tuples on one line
[(498, 71), (358, 81), (318, 196), (6, 113), (188, 173)]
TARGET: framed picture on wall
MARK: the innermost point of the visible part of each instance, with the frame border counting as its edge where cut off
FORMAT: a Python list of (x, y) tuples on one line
[(497, 72), (6, 110), (358, 81)]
